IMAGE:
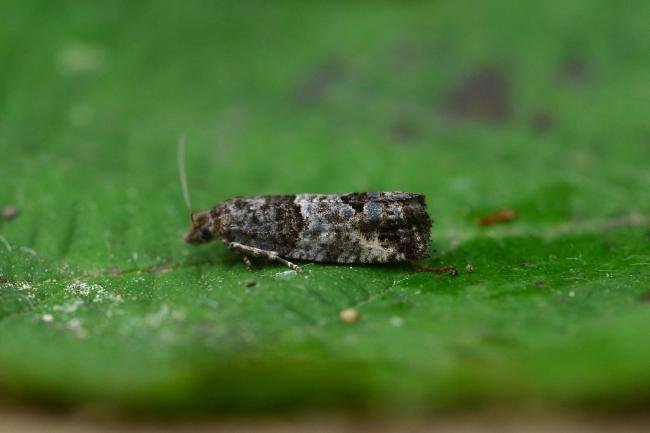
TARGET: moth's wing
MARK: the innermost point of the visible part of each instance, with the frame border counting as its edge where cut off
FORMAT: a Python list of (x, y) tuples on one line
[(371, 227), (270, 223), (375, 227), (385, 197)]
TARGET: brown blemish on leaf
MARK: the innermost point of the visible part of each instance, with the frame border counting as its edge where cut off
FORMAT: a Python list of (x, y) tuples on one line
[(539, 284), (313, 87), (469, 268), (574, 71), (541, 122), (498, 217), (645, 297), (446, 269), (9, 213), (406, 55), (402, 131), (483, 95)]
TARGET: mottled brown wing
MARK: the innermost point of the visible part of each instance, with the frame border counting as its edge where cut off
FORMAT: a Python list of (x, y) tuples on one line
[(371, 227)]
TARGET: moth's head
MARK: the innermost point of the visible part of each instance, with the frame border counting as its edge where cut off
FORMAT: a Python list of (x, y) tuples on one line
[(201, 229)]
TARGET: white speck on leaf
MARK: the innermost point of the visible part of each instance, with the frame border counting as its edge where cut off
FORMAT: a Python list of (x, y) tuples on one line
[(81, 288), (80, 58), (286, 274), (76, 327), (155, 319), (70, 307)]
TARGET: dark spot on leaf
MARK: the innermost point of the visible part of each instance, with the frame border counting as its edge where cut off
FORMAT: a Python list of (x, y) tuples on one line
[(541, 122), (608, 246), (484, 95), (645, 297), (249, 283), (313, 87), (402, 131), (446, 269), (497, 339), (539, 284), (574, 71)]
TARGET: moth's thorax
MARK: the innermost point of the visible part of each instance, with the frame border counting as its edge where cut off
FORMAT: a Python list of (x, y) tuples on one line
[(202, 228)]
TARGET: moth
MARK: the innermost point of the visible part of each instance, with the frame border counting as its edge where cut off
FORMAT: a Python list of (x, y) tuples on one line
[(364, 227)]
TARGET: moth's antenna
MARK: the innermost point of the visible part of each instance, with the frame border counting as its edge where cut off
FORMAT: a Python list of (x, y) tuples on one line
[(182, 174)]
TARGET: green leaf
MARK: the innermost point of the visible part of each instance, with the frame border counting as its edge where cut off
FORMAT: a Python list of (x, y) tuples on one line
[(534, 108)]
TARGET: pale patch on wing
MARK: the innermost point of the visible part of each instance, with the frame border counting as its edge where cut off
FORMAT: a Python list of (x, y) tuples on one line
[(320, 233), (373, 250)]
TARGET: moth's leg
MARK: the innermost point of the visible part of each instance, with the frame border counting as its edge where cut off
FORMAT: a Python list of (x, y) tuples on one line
[(248, 263), (256, 252)]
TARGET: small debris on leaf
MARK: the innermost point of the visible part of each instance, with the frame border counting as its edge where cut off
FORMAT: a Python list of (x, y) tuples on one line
[(483, 95), (541, 122), (469, 268), (47, 318), (498, 217), (9, 213), (450, 269), (575, 71), (403, 131), (314, 87), (249, 283), (349, 315)]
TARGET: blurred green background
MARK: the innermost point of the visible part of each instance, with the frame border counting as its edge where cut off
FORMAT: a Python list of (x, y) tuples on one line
[(537, 106)]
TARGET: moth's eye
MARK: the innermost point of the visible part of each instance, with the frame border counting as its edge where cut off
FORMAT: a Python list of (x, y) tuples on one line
[(206, 234)]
